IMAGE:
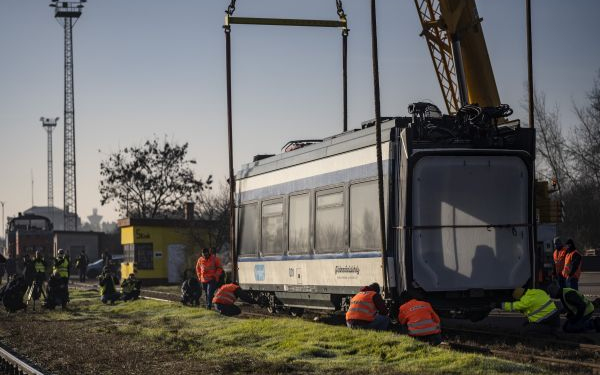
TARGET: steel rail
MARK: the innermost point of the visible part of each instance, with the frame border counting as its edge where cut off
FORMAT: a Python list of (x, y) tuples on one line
[(11, 364), (570, 344), (525, 357)]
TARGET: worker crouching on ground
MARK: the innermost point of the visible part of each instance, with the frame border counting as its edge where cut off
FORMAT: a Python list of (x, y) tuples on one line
[(420, 319), (108, 292), (367, 310), (537, 306), (579, 310), (191, 291), (226, 296), (12, 294), (56, 294), (131, 288), (209, 271)]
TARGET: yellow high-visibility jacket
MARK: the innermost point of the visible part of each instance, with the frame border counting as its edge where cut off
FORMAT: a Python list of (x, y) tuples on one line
[(535, 304)]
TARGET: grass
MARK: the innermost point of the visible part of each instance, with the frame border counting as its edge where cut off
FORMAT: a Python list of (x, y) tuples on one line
[(266, 345)]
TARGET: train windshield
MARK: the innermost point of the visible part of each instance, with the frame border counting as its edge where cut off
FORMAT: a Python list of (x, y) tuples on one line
[(470, 216)]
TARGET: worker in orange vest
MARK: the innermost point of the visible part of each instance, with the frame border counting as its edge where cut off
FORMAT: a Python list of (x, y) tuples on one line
[(209, 270), (226, 296), (560, 252), (420, 319), (367, 310), (572, 269)]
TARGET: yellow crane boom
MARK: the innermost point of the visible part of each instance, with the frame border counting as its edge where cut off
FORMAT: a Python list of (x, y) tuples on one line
[(460, 57)]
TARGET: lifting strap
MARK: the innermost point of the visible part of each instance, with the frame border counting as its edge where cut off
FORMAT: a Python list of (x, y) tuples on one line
[(231, 20), (378, 147)]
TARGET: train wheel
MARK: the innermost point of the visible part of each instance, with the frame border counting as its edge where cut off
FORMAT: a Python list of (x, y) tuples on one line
[(296, 312)]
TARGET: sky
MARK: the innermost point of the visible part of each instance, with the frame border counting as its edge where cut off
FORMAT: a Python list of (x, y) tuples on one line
[(149, 68)]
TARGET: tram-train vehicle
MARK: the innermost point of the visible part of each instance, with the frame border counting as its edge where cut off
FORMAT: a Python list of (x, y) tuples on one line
[(459, 214)]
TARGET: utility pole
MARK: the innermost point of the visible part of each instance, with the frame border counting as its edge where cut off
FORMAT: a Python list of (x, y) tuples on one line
[(31, 174), (67, 13), (49, 124), (3, 231)]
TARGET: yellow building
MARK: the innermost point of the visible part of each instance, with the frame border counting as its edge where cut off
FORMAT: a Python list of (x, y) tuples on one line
[(161, 250)]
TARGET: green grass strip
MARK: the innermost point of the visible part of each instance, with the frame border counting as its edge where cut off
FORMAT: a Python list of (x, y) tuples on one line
[(267, 345)]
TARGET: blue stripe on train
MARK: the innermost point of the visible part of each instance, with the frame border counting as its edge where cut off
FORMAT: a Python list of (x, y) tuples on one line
[(271, 258), (325, 179)]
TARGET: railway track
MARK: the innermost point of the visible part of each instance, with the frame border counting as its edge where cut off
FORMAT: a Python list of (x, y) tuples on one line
[(545, 360), (11, 364), (527, 358), (590, 348)]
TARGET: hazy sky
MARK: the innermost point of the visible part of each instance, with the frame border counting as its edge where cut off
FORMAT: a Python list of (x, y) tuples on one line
[(148, 67)]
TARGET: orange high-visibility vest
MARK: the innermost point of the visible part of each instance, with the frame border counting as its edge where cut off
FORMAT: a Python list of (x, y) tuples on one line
[(559, 259), (208, 269), (569, 265), (362, 307), (226, 294), (420, 318)]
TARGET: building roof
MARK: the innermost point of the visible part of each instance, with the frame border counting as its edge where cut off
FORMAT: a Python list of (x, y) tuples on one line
[(148, 222)]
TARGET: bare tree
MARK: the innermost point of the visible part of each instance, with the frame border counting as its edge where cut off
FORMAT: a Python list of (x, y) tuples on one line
[(574, 161), (551, 144), (213, 206), (151, 180)]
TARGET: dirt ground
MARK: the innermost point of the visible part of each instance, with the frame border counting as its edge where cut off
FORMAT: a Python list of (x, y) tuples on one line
[(90, 347)]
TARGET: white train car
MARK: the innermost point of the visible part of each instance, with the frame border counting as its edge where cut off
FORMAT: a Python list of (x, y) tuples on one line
[(458, 208)]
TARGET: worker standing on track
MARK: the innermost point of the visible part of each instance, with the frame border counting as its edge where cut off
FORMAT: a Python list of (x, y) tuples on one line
[(36, 289), (367, 310), (421, 320), (81, 264), (2, 267), (62, 266), (572, 268), (579, 310), (226, 296), (10, 267), (209, 270), (560, 252), (28, 269), (39, 265), (537, 306)]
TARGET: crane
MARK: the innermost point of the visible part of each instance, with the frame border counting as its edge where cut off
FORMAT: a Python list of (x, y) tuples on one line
[(452, 29)]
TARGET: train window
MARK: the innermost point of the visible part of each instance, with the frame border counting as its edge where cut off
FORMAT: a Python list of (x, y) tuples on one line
[(248, 229), (272, 228), (364, 217), (329, 221), (144, 256), (129, 253), (299, 219)]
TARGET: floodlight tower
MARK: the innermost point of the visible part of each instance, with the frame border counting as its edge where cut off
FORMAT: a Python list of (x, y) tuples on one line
[(49, 124), (67, 13)]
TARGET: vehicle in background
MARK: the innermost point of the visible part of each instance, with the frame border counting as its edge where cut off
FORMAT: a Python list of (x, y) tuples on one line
[(94, 269)]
